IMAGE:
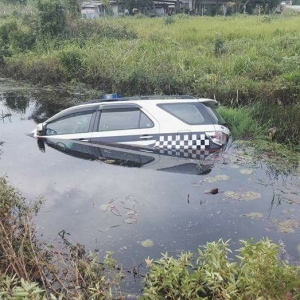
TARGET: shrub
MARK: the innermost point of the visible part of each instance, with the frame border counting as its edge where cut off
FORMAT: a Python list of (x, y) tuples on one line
[(50, 18), (259, 274), (70, 58)]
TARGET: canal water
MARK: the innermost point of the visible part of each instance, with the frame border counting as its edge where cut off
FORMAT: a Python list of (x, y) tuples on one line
[(140, 212)]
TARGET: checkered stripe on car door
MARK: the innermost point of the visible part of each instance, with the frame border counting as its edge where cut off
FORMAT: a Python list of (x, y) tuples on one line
[(194, 145)]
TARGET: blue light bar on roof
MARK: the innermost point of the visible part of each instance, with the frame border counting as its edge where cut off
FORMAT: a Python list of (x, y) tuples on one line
[(111, 96)]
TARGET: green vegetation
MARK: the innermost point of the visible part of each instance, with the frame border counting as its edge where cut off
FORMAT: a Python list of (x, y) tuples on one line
[(259, 274), (35, 271), (250, 64)]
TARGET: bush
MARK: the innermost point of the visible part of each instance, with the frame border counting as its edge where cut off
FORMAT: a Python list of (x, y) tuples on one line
[(259, 274), (51, 18)]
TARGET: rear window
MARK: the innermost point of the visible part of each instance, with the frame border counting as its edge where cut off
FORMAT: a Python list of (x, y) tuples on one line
[(214, 114), (190, 113)]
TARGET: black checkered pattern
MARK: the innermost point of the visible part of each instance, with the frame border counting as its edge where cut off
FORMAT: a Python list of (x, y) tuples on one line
[(193, 145)]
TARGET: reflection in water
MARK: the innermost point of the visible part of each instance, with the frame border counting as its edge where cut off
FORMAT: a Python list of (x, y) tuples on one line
[(4, 116), (16, 102), (45, 103), (131, 156)]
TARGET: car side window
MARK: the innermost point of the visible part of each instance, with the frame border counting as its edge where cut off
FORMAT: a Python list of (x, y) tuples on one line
[(74, 123), (186, 112), (123, 119)]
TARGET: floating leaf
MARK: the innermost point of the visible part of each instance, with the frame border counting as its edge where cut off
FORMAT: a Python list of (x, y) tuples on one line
[(247, 171), (130, 220), (105, 207), (222, 177), (243, 196), (254, 215), (147, 243), (232, 194), (250, 196), (216, 178), (287, 226), (210, 179)]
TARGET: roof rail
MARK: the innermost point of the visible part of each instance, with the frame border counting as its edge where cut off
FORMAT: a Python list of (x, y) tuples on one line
[(117, 97)]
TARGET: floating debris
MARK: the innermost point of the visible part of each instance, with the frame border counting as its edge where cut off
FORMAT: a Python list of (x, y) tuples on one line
[(148, 262), (287, 226), (131, 212), (247, 196), (250, 196), (222, 177), (247, 171), (254, 215), (105, 207), (147, 243), (130, 220), (213, 191), (216, 178)]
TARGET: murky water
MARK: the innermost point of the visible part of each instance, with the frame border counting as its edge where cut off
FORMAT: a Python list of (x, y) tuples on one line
[(108, 207)]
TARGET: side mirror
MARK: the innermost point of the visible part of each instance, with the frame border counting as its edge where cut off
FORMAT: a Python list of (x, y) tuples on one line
[(39, 129)]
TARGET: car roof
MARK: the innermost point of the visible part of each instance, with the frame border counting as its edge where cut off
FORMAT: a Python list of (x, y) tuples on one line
[(113, 98)]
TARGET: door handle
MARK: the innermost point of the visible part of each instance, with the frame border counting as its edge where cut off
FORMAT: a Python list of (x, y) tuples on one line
[(146, 137), (83, 140)]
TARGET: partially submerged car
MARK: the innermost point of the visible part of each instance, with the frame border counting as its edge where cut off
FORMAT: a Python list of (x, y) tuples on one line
[(181, 125), (130, 156)]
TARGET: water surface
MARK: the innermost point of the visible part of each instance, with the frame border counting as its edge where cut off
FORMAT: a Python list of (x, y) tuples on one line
[(112, 208)]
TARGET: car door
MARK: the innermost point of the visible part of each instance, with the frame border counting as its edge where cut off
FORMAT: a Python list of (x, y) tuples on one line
[(127, 124)]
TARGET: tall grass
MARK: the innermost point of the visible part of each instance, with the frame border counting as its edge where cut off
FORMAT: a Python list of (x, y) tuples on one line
[(243, 58)]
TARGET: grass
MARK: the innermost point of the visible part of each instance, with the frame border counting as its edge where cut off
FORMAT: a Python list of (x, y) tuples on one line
[(237, 60)]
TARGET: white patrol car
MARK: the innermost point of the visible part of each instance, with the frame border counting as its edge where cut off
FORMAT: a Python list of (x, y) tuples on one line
[(179, 125)]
